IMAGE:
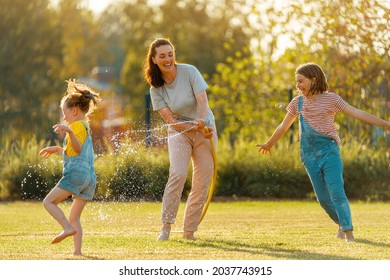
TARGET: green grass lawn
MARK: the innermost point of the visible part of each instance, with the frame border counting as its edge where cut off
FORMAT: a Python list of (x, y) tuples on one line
[(253, 230)]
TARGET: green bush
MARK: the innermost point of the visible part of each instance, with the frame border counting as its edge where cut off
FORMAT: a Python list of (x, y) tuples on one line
[(136, 172), (243, 171), (24, 174), (366, 172)]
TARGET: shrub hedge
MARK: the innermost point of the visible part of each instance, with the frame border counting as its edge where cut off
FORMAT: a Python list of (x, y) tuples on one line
[(136, 172)]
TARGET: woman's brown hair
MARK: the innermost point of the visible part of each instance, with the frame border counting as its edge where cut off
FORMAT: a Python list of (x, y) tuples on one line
[(152, 73)]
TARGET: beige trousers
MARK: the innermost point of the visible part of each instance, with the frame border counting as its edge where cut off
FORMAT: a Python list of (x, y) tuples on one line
[(182, 148)]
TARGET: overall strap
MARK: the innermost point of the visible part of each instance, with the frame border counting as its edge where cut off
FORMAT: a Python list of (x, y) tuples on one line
[(300, 99), (86, 127)]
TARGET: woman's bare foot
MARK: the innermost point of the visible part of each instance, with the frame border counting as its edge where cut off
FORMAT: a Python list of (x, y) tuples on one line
[(189, 235), (64, 234)]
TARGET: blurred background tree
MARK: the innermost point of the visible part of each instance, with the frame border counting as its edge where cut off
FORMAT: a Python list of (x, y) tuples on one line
[(349, 39), (247, 50), (30, 59), (83, 45)]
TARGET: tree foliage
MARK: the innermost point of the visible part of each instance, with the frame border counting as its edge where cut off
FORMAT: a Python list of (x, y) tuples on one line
[(349, 39), (82, 42), (29, 60), (198, 33), (247, 50)]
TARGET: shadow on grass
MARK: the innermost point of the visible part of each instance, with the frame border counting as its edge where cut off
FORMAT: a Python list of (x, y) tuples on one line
[(84, 257), (272, 251), (373, 243)]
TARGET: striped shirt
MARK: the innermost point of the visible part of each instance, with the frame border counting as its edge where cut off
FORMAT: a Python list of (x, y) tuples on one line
[(319, 112)]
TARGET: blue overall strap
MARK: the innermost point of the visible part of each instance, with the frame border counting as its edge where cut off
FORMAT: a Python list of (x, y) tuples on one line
[(86, 127), (300, 98)]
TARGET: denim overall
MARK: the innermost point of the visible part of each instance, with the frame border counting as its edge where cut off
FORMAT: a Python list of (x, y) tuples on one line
[(320, 155), (79, 172)]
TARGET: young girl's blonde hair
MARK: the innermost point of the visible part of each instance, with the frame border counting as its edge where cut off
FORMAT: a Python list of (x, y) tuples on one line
[(81, 96), (317, 76)]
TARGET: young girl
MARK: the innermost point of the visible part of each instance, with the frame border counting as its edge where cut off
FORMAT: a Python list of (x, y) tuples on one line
[(319, 141), (79, 177)]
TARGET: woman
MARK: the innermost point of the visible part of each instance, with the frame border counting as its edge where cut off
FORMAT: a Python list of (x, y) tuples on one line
[(178, 93)]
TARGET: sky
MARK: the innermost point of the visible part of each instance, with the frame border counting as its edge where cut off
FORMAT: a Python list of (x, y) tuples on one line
[(98, 6)]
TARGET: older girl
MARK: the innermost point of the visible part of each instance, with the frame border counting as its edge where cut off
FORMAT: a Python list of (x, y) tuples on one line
[(320, 153)]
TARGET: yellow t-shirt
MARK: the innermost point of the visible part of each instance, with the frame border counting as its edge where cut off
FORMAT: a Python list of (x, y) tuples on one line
[(80, 132)]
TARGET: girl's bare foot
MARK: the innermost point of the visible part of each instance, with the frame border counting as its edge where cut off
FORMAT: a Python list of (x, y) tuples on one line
[(189, 235), (64, 234), (349, 236), (340, 234)]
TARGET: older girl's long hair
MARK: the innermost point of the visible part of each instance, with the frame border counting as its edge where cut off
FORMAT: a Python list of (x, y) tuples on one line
[(152, 73), (317, 76)]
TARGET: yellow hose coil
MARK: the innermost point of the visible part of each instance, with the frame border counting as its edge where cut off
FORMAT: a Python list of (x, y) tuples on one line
[(213, 180)]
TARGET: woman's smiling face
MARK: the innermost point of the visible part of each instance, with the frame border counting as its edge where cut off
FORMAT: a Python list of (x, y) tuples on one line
[(164, 58)]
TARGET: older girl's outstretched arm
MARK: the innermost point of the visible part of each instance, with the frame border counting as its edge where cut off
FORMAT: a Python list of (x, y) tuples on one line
[(278, 133), (366, 117)]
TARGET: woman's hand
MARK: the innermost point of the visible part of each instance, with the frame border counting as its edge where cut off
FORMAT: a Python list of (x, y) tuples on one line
[(207, 132), (200, 123)]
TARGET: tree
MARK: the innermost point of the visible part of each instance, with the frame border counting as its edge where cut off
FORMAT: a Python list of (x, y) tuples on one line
[(29, 62), (137, 23), (352, 46), (201, 36), (350, 40), (82, 41), (205, 32)]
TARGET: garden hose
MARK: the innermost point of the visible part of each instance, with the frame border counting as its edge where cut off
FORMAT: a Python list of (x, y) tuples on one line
[(213, 179)]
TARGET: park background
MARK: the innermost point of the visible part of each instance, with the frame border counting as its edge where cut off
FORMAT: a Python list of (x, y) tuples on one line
[(247, 51)]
